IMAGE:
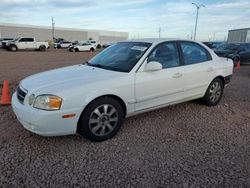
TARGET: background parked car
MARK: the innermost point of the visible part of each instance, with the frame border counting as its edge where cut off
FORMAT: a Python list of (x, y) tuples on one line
[(27, 44), (58, 40), (213, 45), (81, 47), (107, 45), (95, 43), (64, 44), (76, 43), (235, 51)]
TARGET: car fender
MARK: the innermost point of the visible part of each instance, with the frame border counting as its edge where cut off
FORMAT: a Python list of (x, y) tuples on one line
[(97, 94), (85, 96), (13, 44)]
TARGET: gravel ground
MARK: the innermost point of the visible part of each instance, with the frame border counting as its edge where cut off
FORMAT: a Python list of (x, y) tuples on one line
[(186, 145)]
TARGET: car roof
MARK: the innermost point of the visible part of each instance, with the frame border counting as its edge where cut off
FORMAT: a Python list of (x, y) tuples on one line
[(157, 40)]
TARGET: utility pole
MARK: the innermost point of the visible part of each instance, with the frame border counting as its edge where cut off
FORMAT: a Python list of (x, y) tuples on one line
[(197, 15), (159, 32), (53, 29), (214, 36)]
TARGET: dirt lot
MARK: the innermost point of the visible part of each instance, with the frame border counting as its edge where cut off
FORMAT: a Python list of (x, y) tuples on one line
[(187, 145)]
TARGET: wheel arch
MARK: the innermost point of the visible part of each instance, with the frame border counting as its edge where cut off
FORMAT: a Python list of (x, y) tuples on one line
[(237, 56), (13, 45), (117, 98), (221, 78)]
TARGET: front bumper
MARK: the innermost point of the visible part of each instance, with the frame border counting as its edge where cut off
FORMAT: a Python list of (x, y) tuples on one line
[(45, 123)]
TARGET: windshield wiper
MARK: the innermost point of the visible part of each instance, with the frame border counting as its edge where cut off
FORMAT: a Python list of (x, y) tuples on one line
[(96, 65), (86, 63)]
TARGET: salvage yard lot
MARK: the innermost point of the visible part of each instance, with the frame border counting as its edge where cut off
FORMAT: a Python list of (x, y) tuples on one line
[(180, 146)]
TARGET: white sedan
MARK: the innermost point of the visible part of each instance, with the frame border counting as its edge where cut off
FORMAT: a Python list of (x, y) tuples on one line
[(82, 47), (125, 79)]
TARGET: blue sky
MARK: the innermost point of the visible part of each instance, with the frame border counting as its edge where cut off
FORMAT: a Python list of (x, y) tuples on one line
[(141, 18)]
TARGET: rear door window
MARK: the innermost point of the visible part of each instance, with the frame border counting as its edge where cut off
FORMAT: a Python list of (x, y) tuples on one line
[(29, 39), (194, 53)]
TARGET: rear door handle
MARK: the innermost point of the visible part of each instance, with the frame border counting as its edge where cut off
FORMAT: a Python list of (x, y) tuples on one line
[(177, 75), (210, 69)]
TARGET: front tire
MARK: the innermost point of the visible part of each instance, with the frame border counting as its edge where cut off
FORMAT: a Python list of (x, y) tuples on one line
[(214, 92), (13, 48), (101, 119)]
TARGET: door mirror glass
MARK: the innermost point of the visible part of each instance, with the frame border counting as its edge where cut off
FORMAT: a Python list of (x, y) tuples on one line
[(153, 66)]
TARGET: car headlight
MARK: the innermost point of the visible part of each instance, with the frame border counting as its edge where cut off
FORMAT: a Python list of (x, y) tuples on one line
[(48, 102)]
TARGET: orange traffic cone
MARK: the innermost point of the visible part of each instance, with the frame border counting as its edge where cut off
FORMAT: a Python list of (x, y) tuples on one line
[(5, 99), (238, 65)]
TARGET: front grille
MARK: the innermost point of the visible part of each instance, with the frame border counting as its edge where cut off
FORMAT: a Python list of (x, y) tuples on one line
[(21, 94)]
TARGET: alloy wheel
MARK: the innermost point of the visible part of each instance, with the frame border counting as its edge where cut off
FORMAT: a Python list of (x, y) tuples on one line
[(103, 120), (215, 92)]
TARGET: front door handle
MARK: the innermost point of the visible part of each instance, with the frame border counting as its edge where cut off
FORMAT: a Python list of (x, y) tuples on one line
[(210, 69), (177, 75)]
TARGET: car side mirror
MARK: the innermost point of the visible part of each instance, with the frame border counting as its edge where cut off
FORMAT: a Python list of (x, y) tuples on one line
[(153, 66)]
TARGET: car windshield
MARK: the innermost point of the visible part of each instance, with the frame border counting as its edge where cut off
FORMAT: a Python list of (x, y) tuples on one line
[(227, 47), (121, 56)]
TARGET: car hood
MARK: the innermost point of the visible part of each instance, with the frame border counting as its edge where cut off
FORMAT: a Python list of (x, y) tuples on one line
[(68, 77)]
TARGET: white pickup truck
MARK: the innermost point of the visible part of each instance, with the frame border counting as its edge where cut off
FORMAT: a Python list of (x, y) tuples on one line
[(27, 44)]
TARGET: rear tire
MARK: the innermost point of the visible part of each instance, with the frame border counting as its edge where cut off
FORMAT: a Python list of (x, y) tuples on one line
[(92, 49), (101, 119), (42, 48), (214, 92)]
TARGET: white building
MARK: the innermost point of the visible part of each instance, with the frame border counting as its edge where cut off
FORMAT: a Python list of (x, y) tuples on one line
[(239, 35), (45, 33)]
